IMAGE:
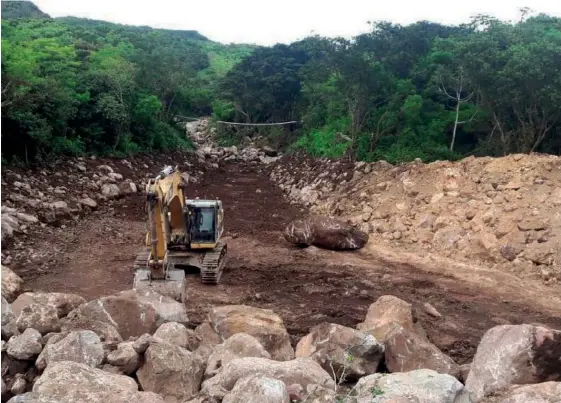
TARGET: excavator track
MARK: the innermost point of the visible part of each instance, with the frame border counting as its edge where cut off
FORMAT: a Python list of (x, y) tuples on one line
[(213, 264)]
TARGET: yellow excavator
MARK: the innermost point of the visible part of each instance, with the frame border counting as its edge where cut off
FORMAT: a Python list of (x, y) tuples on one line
[(183, 234)]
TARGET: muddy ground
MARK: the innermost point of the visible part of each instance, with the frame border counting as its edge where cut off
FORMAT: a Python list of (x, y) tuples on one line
[(305, 286)]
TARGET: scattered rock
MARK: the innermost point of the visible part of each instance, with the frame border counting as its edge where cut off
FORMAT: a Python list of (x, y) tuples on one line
[(545, 392), (258, 389), (132, 312), (107, 333), (302, 371), (178, 334), (43, 318), (136, 397), (64, 303), (406, 351), (171, 371), (125, 357), (110, 190), (28, 218), (342, 350), (263, 324), (238, 345), (514, 354), (25, 346), (142, 343), (82, 346), (419, 386), (387, 312), (12, 284), (88, 202), (71, 382), (19, 385), (431, 310), (9, 326)]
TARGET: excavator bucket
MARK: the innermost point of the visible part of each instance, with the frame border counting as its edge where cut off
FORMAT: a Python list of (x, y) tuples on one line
[(173, 286)]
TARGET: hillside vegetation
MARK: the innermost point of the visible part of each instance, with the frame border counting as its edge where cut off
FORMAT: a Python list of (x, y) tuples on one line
[(74, 86), (397, 93)]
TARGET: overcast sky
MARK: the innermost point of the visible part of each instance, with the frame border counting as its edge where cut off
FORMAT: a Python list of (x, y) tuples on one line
[(284, 21)]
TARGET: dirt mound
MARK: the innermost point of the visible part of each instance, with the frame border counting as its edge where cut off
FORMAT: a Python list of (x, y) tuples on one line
[(502, 212), (67, 190)]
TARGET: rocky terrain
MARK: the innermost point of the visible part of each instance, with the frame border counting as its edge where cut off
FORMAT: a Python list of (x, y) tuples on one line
[(56, 347), (454, 298), (502, 212)]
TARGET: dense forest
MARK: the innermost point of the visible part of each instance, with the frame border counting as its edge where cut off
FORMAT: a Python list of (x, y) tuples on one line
[(425, 90), (75, 86)]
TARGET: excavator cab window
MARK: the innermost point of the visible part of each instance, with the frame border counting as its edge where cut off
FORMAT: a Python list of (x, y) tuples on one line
[(203, 227)]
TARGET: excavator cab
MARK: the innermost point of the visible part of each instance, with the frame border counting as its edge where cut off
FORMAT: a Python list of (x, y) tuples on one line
[(183, 234), (205, 219)]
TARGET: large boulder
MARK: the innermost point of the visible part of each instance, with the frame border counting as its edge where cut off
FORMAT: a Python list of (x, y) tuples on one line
[(63, 302), (178, 334), (406, 351), (136, 397), (237, 346), (263, 324), (25, 346), (171, 371), (514, 354), (345, 351), (43, 318), (419, 386), (302, 371), (71, 382), (106, 331), (119, 397), (258, 389), (387, 312), (132, 312), (83, 347), (125, 358), (12, 284), (545, 392), (325, 232), (9, 326)]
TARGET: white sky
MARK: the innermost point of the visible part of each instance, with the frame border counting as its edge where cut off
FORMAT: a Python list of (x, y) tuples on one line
[(284, 21)]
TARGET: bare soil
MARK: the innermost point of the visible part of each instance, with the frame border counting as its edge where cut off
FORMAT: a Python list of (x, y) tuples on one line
[(94, 257)]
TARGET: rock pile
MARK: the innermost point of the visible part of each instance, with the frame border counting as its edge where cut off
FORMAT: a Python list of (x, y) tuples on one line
[(209, 152), (498, 211), (61, 194), (139, 346)]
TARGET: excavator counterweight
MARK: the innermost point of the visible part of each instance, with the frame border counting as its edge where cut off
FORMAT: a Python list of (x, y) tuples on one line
[(182, 234)]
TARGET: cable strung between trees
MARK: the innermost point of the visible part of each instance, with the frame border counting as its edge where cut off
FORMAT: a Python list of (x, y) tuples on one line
[(243, 124)]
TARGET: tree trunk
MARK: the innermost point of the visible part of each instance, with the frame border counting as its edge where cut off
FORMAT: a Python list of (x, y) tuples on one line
[(455, 126)]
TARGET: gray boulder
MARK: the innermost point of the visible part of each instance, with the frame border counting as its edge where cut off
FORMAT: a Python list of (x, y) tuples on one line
[(419, 386), (258, 389), (12, 284), (25, 346), (82, 346), (514, 354), (343, 350), (171, 371)]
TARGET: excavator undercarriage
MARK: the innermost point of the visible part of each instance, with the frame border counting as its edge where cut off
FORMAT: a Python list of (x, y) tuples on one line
[(183, 235)]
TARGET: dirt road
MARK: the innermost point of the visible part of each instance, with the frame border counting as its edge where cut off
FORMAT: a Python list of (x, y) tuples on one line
[(304, 286)]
